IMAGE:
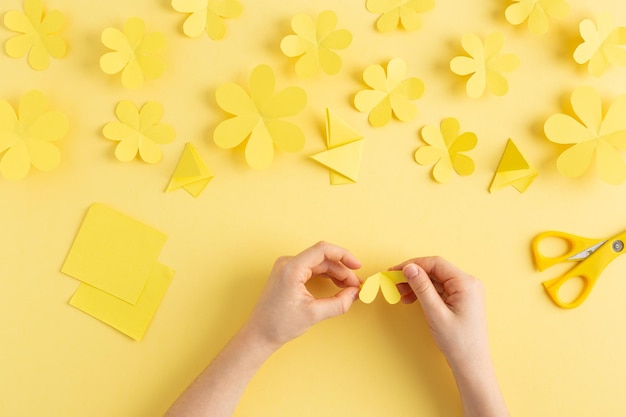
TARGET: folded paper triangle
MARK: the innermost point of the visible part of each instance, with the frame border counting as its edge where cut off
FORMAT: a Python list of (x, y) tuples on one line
[(339, 132), (513, 170), (191, 173), (344, 160), (344, 153)]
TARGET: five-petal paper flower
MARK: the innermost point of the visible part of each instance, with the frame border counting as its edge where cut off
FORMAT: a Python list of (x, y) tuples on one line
[(206, 16), (257, 117), (396, 12), (485, 63), (390, 93), (136, 53), (314, 42), (537, 12), (39, 34), (26, 136), (444, 151), (139, 131), (592, 135), (603, 44)]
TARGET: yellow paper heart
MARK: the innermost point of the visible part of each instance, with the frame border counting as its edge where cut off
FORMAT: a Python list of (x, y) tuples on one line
[(386, 281)]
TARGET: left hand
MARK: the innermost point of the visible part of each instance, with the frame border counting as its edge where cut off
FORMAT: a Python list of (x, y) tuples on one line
[(286, 308)]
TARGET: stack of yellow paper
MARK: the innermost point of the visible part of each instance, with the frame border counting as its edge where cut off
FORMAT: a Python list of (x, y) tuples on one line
[(115, 258)]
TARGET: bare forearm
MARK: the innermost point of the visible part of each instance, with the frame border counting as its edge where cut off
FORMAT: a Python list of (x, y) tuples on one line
[(218, 389), (479, 390)]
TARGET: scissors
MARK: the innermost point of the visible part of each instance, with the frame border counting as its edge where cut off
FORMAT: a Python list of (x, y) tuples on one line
[(592, 255)]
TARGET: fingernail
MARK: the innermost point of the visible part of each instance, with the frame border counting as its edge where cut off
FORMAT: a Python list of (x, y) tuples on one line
[(411, 271)]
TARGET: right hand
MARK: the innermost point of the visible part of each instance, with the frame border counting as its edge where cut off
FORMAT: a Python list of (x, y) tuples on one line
[(454, 306)]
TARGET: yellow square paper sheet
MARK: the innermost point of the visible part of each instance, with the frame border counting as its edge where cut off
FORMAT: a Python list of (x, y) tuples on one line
[(114, 253)]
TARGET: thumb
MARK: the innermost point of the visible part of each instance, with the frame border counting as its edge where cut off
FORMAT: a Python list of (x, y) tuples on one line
[(423, 288), (326, 308)]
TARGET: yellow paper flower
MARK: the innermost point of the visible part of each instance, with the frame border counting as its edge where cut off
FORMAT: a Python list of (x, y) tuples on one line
[(257, 117), (444, 151), (390, 93), (139, 131), (592, 135), (485, 63), (314, 42), (537, 12), (207, 16), (396, 12), (26, 136), (38, 34), (603, 44), (137, 53)]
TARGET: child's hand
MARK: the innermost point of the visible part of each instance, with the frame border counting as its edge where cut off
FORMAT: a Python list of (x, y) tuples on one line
[(287, 309), (454, 305)]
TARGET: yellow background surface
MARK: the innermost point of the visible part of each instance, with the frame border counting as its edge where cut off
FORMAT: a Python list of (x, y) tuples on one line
[(378, 360)]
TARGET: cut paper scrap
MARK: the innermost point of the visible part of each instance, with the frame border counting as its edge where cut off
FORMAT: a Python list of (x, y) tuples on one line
[(537, 12), (130, 319), (445, 144), (345, 150), (386, 281), (594, 134), (26, 136), (394, 13), (258, 116), (485, 65), (513, 170), (191, 173), (391, 93), (114, 253), (136, 54), (139, 131), (603, 44), (207, 16), (38, 34), (314, 42)]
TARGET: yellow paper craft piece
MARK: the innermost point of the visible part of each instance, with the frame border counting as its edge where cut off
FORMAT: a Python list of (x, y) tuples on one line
[(114, 253), (207, 16), (314, 42), (38, 34), (485, 64), (26, 136), (396, 12), (257, 117), (444, 151), (603, 44), (513, 170), (386, 281), (345, 150), (390, 93), (136, 53), (537, 12), (592, 135), (130, 319), (139, 131), (191, 173)]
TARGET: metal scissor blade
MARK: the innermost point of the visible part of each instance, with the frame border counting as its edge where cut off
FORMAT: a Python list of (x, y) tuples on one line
[(587, 252)]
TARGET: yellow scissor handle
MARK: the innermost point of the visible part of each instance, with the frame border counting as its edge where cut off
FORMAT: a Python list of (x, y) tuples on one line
[(589, 269), (553, 286), (576, 244)]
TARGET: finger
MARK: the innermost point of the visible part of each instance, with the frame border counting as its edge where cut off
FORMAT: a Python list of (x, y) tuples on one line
[(408, 298), (338, 272), (404, 288), (321, 251), (436, 267), (325, 308), (424, 289)]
